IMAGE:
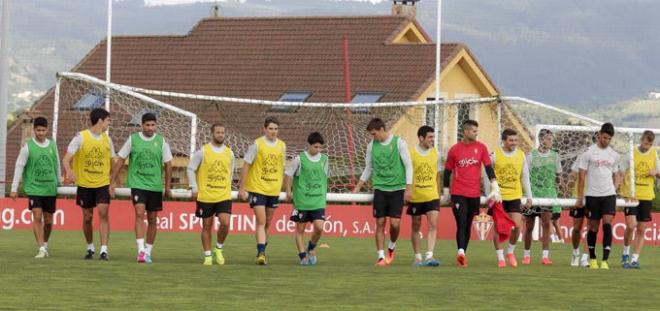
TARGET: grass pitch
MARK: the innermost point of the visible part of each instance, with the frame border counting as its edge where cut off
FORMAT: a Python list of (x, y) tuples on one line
[(344, 279)]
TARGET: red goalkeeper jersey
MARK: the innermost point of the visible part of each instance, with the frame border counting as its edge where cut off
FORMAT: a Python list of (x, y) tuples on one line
[(465, 160)]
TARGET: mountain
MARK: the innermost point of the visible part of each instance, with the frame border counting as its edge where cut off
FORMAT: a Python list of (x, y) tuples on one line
[(583, 54)]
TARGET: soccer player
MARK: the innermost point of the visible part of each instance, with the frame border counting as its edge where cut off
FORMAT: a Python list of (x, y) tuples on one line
[(210, 173), (388, 165), (463, 169), (92, 151), (261, 180), (148, 151), (599, 168), (306, 183), (647, 169), (38, 165), (512, 174), (425, 198), (578, 215), (544, 171)]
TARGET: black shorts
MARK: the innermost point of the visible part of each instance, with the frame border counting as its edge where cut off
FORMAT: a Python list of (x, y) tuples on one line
[(421, 208), (46, 204), (577, 212), (206, 210), (460, 202), (268, 201), (152, 200), (536, 211), (90, 197), (642, 211), (512, 206), (599, 206), (388, 203), (307, 216)]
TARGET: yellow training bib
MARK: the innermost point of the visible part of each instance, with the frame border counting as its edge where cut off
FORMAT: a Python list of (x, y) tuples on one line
[(425, 183), (214, 175), (91, 163), (508, 170), (267, 171), (644, 184)]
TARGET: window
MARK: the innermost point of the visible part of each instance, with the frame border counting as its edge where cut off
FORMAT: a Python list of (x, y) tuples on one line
[(365, 98), (89, 101), (136, 120), (291, 96), (430, 112)]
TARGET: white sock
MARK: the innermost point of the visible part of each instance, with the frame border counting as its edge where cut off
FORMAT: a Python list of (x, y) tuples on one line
[(42, 248), (381, 254), (45, 245), (207, 253), (104, 249), (429, 254), (527, 253), (140, 245), (576, 252), (219, 245), (90, 247), (461, 251), (635, 257), (585, 257), (148, 248), (418, 257), (500, 254), (511, 248), (546, 254), (626, 249), (391, 245)]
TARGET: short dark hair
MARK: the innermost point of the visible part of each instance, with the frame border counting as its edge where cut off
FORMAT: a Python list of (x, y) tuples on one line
[(376, 124), (314, 138), (649, 136), (544, 132), (469, 123), (216, 125), (508, 132), (423, 130), (98, 114), (148, 117), (39, 121), (270, 120), (607, 128)]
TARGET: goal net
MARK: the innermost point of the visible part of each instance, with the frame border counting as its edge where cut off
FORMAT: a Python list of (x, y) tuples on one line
[(185, 121)]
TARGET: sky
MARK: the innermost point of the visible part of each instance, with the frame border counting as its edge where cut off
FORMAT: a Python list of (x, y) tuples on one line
[(172, 2)]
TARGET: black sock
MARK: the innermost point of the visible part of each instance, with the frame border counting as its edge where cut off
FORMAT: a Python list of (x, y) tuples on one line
[(302, 255), (607, 240), (591, 242), (310, 246)]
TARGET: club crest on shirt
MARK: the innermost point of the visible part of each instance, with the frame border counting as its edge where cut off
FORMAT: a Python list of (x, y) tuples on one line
[(482, 224)]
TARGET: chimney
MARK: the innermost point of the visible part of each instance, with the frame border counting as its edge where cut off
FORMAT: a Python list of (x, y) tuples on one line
[(215, 10), (404, 8)]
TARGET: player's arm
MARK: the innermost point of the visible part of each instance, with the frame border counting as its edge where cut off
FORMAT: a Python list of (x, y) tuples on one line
[(617, 175), (404, 154), (191, 172), (72, 149), (118, 163), (249, 157), (526, 184), (366, 173), (493, 189), (579, 201), (167, 159), (288, 176), (21, 160), (450, 164)]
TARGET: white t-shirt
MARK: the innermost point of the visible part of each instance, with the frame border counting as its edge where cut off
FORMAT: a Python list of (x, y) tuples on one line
[(600, 165), (196, 161), (75, 143), (125, 150), (294, 167)]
